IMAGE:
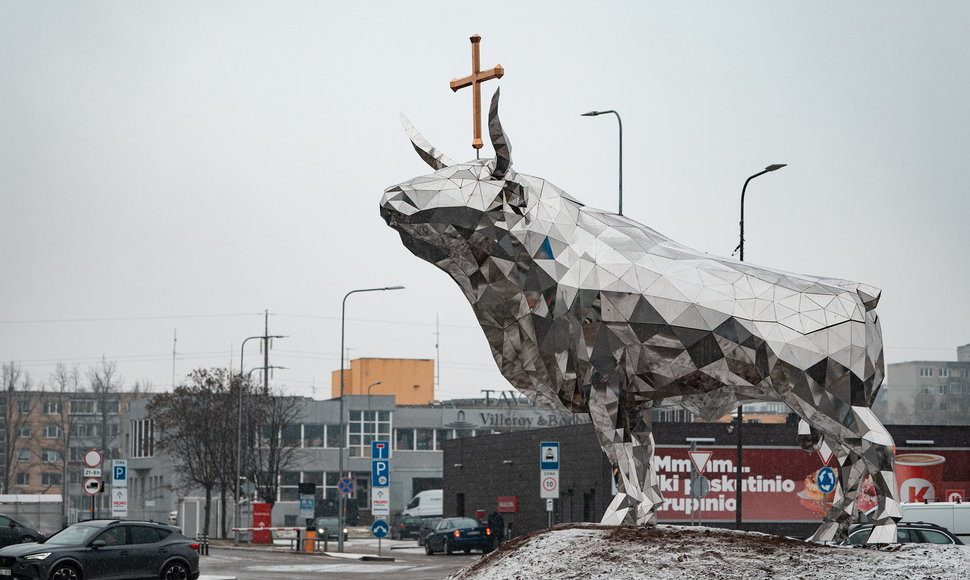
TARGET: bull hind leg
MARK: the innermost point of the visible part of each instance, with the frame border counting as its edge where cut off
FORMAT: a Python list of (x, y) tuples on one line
[(626, 437), (863, 445)]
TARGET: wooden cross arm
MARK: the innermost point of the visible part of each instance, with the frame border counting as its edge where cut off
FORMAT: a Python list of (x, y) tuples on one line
[(485, 75)]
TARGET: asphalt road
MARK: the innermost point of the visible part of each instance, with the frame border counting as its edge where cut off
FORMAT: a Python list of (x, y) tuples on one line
[(410, 563)]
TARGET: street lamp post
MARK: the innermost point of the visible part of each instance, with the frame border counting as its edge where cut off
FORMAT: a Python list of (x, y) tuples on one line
[(620, 122), (740, 418), (369, 387), (242, 354), (343, 431)]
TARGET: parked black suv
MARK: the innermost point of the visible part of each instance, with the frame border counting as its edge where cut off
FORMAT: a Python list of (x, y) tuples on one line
[(99, 549)]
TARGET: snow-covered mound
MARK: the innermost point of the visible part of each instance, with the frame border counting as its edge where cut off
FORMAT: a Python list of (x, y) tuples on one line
[(588, 551)]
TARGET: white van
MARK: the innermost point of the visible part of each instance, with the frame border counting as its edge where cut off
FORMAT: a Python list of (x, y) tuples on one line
[(425, 504), (952, 516)]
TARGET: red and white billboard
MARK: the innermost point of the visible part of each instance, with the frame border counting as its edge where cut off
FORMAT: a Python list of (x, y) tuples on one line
[(778, 484)]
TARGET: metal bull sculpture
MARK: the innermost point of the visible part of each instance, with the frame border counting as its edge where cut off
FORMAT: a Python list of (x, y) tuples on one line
[(600, 314)]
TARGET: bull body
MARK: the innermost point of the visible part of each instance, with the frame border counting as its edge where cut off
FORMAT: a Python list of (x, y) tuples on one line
[(594, 312)]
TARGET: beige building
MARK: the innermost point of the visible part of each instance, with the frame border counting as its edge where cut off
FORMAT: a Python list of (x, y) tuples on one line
[(411, 381)]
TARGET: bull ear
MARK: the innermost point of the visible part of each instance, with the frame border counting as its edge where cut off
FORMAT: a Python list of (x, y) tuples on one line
[(436, 159), (500, 142)]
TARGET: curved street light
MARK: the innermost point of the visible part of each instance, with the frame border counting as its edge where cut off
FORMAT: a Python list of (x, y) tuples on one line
[(242, 354), (737, 490), (343, 431), (620, 122)]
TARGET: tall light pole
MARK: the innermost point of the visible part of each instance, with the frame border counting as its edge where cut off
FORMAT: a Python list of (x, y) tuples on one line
[(618, 120), (737, 490), (368, 392), (343, 432), (242, 354)]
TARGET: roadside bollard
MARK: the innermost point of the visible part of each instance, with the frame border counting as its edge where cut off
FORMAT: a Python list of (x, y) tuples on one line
[(309, 544), (203, 545)]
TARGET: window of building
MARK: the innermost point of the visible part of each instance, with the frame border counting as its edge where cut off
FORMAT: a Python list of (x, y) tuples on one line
[(52, 407), (404, 439), (442, 435), (76, 477), (314, 435), (941, 389), (82, 407), (289, 485), (23, 478), (77, 453), (23, 455), (366, 427), (926, 389), (292, 435), (52, 432), (23, 432), (109, 407), (50, 456), (944, 372), (925, 372), (142, 438), (82, 430), (51, 479), (334, 435), (24, 407), (424, 439)]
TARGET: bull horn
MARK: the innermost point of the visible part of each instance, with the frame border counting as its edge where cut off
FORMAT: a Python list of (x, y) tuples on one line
[(436, 159), (500, 142)]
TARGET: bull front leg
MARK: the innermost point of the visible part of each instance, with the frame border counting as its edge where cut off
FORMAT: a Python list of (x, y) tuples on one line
[(626, 437)]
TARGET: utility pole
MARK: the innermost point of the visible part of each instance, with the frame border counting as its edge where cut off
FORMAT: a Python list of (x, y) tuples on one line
[(266, 340)]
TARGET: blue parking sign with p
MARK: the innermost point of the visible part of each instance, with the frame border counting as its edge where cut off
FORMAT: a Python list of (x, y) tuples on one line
[(380, 473)]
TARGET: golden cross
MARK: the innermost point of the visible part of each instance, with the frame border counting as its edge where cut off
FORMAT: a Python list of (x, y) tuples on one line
[(473, 80)]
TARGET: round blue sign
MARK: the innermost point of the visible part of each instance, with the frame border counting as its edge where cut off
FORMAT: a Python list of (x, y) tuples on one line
[(825, 479), (345, 485), (379, 528)]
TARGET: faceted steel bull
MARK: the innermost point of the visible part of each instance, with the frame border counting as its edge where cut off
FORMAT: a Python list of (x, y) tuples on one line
[(597, 313)]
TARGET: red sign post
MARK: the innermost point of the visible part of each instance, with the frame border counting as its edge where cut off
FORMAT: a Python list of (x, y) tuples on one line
[(262, 518)]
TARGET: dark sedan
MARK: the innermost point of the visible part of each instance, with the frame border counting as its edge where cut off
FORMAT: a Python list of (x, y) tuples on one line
[(105, 549), (405, 527), (454, 534), (14, 532)]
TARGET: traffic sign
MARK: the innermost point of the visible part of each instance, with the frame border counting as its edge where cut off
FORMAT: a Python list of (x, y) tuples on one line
[(345, 485), (824, 453), (93, 458), (549, 455), (380, 501), (825, 479), (549, 483), (700, 486), (92, 472), (379, 528), (380, 450), (550, 505), (700, 459), (92, 486), (119, 502), (380, 473), (119, 473)]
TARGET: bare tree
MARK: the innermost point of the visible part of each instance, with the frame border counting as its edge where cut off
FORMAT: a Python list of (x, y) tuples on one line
[(64, 383), (190, 432), (105, 384), (274, 414), (14, 379)]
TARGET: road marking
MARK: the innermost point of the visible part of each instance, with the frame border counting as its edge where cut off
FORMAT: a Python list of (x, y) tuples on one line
[(330, 568)]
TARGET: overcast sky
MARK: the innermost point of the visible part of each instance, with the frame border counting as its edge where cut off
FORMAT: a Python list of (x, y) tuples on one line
[(181, 167)]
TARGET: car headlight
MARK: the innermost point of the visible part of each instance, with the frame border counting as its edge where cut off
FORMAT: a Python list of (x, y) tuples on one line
[(38, 556)]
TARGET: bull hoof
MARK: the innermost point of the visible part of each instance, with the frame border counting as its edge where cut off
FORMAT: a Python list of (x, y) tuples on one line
[(827, 532), (883, 534), (620, 512)]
